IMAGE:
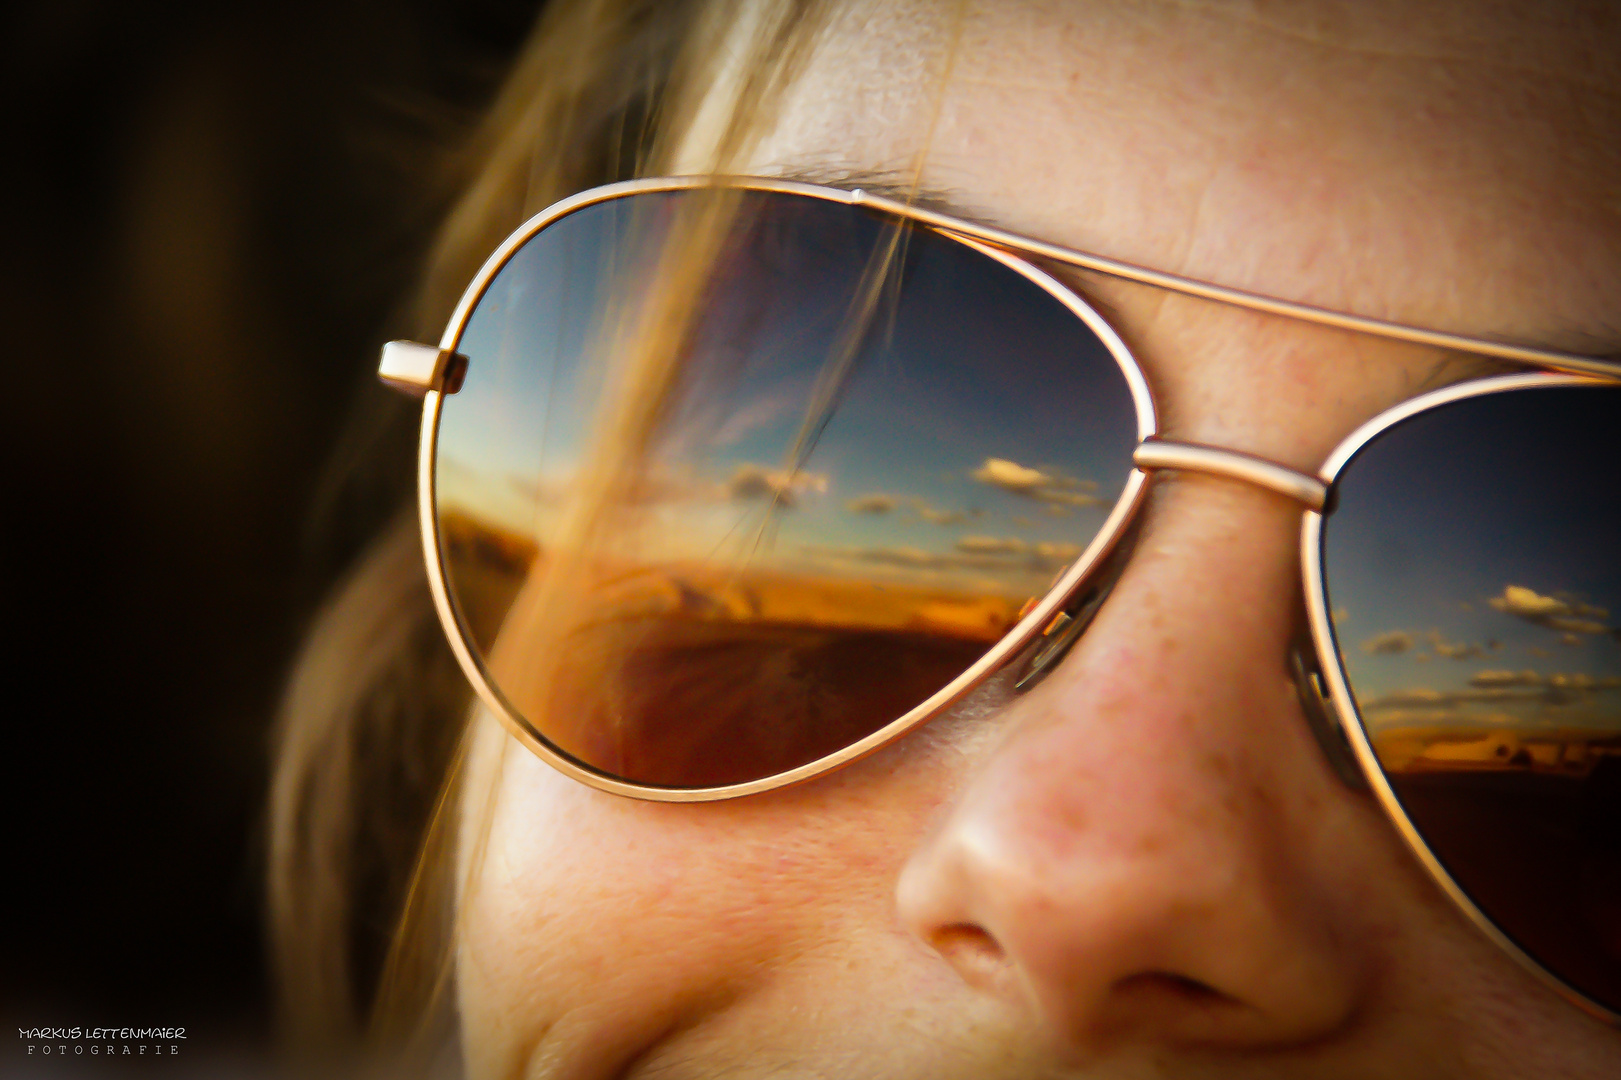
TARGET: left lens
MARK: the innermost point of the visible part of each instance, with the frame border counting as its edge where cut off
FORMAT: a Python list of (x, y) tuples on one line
[(736, 479), (1470, 565)]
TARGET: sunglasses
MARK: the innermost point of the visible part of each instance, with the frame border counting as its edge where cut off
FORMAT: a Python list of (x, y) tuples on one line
[(726, 484)]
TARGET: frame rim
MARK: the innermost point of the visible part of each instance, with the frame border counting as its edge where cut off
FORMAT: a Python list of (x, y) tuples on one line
[(1314, 580), (1024, 631)]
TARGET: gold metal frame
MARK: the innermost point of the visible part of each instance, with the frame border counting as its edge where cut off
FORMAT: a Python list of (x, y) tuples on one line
[(402, 359), (433, 372), (1157, 453), (1328, 654)]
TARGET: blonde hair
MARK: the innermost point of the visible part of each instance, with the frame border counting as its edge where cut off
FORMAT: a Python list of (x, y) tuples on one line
[(374, 709)]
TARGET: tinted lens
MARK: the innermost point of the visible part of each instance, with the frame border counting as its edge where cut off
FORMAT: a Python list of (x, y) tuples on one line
[(726, 490), (1472, 571)]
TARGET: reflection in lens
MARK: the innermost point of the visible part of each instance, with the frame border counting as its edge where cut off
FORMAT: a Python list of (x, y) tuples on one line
[(853, 455), (1471, 567)]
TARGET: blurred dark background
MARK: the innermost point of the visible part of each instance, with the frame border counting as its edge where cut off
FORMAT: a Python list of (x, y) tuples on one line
[(213, 214)]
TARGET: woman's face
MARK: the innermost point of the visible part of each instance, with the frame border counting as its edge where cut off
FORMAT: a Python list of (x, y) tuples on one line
[(1144, 867)]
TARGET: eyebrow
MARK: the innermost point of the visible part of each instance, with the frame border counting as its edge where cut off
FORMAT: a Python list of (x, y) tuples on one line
[(1575, 344), (895, 185)]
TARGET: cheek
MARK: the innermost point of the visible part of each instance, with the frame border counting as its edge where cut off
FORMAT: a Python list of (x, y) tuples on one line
[(582, 909), (594, 924)]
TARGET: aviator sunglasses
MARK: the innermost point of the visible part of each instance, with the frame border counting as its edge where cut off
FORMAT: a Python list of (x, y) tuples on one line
[(726, 484)]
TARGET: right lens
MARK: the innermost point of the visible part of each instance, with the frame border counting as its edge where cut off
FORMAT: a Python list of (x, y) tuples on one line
[(1471, 569), (736, 479)]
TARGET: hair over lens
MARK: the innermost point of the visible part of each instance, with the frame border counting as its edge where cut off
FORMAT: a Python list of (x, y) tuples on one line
[(736, 479)]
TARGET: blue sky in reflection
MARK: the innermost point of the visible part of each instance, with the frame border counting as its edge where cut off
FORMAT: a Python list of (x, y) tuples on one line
[(979, 443), (1472, 563)]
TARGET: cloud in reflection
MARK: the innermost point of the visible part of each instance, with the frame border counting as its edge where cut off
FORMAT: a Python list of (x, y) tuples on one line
[(1558, 688), (1569, 618), (1527, 604), (1052, 488), (1571, 625), (750, 481), (1505, 678), (1578, 680), (981, 553), (909, 557), (874, 503), (1067, 498), (1417, 717), (936, 516), (1425, 696), (878, 503), (992, 545), (758, 414), (1390, 643), (1397, 642), (1010, 476), (1453, 650)]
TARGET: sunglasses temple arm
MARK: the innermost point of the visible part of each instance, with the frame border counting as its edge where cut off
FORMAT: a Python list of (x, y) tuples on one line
[(1322, 716)]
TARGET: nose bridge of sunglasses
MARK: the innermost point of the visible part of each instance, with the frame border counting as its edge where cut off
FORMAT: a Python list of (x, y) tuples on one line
[(414, 369), (1154, 454)]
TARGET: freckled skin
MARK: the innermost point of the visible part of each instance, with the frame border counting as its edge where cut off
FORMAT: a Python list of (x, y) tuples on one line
[(1143, 868)]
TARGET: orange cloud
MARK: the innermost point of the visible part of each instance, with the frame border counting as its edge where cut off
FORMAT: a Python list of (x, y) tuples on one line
[(871, 504), (1453, 650), (1045, 487), (1390, 643), (992, 545), (941, 517), (1011, 476), (1567, 617)]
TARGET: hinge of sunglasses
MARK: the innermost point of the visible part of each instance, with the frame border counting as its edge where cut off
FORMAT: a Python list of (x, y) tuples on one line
[(1156, 453), (414, 369)]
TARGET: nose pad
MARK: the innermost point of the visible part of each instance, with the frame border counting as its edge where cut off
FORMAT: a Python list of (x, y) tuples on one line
[(1077, 615), (1322, 715), (1061, 635)]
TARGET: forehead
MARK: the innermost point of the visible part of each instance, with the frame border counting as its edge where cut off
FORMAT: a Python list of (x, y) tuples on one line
[(1452, 165)]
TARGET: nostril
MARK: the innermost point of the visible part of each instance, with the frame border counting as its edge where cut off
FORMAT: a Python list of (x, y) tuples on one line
[(977, 957), (1165, 1005), (964, 938), (1169, 985)]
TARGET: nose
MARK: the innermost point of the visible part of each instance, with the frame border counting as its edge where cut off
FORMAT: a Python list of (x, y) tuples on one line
[(1157, 849)]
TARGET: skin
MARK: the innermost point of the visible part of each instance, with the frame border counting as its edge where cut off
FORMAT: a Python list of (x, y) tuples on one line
[(1127, 872)]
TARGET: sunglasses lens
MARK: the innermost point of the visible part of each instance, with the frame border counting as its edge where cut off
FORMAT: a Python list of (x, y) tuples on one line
[(736, 479), (1471, 568)]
